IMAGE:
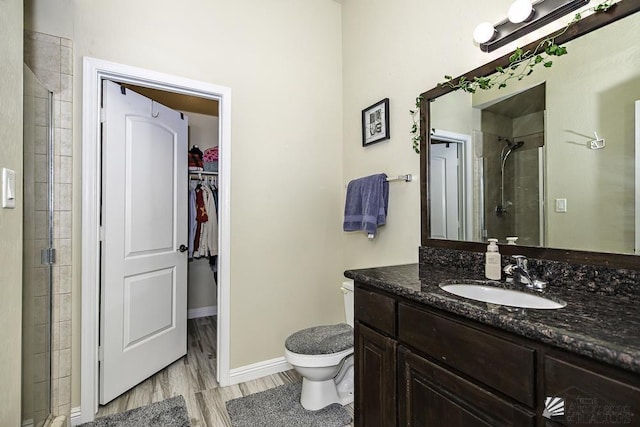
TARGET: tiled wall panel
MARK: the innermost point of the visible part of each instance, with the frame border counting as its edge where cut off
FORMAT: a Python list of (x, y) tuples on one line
[(51, 60)]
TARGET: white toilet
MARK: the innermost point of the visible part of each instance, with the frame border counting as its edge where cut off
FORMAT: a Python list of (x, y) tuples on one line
[(323, 356)]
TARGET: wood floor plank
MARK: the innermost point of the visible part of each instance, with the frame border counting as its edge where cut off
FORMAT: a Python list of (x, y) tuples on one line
[(194, 377)]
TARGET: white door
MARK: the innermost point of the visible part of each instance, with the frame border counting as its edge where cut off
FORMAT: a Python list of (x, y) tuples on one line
[(143, 289), (444, 188)]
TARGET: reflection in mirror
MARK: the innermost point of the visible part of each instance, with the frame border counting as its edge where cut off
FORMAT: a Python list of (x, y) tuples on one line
[(530, 161), (504, 168)]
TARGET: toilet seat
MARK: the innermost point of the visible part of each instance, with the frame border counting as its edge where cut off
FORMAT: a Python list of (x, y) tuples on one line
[(319, 346), (326, 339)]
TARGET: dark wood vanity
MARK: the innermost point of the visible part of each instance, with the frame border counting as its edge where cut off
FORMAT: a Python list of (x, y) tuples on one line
[(417, 366)]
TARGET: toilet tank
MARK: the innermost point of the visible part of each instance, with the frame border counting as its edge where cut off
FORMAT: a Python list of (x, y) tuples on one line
[(347, 291)]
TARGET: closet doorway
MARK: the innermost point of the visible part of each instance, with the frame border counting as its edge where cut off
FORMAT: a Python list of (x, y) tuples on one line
[(208, 109), (203, 136)]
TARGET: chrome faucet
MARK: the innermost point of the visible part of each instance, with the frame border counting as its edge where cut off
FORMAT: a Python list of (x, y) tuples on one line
[(519, 273)]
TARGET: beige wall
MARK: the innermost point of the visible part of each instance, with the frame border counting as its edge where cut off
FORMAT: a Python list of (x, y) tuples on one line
[(398, 49), (49, 17), (282, 62), (11, 219)]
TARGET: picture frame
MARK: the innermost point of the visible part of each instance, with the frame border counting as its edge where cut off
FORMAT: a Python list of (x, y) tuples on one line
[(375, 123)]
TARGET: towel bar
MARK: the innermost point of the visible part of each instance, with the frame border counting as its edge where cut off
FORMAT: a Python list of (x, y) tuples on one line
[(405, 178)]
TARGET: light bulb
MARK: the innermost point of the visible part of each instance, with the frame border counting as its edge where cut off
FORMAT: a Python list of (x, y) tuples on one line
[(484, 32), (520, 11)]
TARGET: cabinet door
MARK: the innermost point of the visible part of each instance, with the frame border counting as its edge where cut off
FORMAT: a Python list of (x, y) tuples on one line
[(430, 395), (503, 365), (375, 393), (589, 394)]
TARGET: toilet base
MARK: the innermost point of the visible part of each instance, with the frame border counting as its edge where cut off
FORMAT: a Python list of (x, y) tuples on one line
[(339, 389)]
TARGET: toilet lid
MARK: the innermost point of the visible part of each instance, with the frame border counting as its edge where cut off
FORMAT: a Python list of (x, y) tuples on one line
[(321, 339)]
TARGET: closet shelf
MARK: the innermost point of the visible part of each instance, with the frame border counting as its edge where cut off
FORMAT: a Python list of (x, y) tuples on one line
[(204, 173)]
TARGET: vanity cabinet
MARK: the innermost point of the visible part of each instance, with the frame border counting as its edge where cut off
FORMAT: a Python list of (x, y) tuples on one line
[(420, 366), (591, 392), (430, 394), (500, 364), (455, 372), (375, 359)]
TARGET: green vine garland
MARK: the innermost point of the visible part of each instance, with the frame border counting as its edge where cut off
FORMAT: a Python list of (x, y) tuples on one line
[(521, 64), (415, 127)]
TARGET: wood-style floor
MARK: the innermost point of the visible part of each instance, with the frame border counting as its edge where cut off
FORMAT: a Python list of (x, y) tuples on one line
[(194, 377)]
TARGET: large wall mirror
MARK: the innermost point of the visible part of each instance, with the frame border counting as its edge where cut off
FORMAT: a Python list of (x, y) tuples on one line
[(552, 159)]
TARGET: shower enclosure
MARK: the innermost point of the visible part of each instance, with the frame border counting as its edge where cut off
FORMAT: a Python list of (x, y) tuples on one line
[(511, 158), (513, 187), (38, 255)]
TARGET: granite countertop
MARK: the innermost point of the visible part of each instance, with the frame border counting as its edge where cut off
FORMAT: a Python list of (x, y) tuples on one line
[(605, 328)]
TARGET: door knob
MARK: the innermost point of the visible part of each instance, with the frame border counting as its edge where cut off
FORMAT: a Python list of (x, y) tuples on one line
[(182, 248)]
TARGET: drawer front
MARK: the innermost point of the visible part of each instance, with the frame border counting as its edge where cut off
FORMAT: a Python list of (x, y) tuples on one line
[(430, 394), (590, 397), (498, 363), (376, 310)]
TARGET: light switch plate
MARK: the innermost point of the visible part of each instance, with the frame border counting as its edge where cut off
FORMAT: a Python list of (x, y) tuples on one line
[(8, 188), (561, 205)]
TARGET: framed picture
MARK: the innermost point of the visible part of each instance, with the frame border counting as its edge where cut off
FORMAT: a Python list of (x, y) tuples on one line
[(375, 123)]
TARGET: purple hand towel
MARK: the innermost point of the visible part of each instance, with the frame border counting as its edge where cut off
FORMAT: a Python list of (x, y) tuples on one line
[(366, 203)]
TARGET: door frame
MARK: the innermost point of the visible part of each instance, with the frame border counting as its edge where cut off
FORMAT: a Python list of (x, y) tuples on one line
[(637, 169), (465, 180), (94, 71)]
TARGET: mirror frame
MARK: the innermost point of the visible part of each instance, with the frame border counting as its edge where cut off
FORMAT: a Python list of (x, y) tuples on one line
[(615, 260)]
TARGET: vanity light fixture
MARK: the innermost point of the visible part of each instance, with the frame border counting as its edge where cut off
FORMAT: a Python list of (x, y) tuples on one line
[(484, 32), (520, 11), (523, 18)]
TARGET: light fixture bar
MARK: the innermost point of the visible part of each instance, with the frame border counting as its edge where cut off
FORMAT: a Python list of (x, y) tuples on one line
[(545, 11)]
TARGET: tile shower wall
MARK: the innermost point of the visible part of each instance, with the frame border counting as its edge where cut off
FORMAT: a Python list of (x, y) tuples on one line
[(51, 60)]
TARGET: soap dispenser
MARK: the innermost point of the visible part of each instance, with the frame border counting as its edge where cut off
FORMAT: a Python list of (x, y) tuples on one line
[(492, 264)]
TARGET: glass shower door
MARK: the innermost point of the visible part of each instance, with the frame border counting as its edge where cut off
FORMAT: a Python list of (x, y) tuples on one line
[(512, 187), (37, 253)]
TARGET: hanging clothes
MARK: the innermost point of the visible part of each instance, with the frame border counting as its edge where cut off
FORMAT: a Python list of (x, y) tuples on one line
[(213, 258), (192, 218), (203, 220), (212, 224)]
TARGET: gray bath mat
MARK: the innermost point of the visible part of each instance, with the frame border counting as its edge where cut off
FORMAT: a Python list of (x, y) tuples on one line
[(167, 413), (280, 407)]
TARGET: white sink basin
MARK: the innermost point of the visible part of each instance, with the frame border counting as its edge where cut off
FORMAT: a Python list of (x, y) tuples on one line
[(501, 296)]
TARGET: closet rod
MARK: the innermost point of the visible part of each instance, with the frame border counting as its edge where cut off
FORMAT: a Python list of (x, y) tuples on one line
[(202, 173), (199, 174), (203, 178)]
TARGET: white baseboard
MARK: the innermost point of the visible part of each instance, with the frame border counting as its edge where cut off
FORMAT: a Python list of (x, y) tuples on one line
[(194, 313), (75, 416), (258, 370)]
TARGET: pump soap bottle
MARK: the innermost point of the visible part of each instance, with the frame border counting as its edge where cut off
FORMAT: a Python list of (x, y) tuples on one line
[(492, 265)]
